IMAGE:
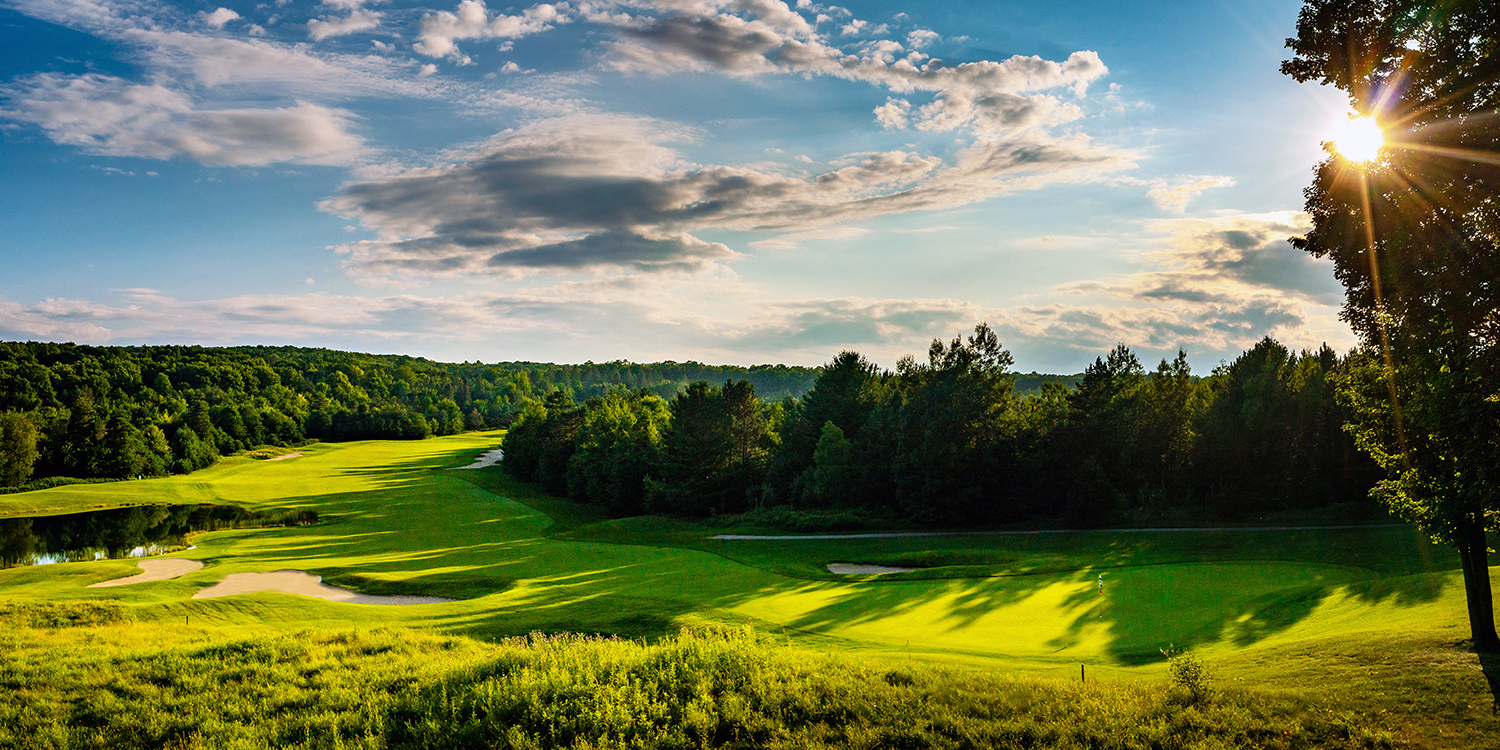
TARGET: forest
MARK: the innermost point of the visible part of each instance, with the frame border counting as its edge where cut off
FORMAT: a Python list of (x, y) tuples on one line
[(952, 441), (956, 439), (85, 412)]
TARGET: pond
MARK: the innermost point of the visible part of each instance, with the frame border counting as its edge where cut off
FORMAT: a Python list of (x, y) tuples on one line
[(126, 532)]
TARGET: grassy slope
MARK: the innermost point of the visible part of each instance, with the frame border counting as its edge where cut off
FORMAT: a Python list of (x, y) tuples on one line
[(1301, 611)]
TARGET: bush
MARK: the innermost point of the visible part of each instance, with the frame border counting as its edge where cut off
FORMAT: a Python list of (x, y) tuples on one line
[(1189, 675), (786, 518)]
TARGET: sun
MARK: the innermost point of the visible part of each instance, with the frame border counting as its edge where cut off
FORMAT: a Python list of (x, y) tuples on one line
[(1359, 139)]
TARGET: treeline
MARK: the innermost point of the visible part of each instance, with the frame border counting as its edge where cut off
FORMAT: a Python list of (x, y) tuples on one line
[(953, 441), (90, 412)]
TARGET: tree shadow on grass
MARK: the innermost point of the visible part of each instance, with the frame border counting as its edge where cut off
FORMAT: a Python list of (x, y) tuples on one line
[(1234, 603), (1489, 663)]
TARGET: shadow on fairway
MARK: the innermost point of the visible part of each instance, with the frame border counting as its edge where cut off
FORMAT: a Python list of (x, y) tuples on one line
[(1241, 603)]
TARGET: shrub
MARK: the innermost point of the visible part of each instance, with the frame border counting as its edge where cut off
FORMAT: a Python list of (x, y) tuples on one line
[(1189, 675)]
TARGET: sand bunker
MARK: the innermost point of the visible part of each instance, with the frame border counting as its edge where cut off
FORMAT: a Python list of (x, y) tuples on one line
[(488, 459), (285, 456), (849, 569), (155, 570), (301, 583)]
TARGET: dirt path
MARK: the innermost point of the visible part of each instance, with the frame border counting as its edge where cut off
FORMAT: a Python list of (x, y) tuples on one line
[(301, 583), (904, 534), (154, 570)]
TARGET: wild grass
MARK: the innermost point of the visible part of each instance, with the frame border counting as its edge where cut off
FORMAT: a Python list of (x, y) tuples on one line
[(707, 687)]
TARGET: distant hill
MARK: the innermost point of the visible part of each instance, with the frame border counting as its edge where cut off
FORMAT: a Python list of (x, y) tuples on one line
[(1031, 383)]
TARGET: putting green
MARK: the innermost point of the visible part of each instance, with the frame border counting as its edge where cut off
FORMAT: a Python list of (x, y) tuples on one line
[(397, 524)]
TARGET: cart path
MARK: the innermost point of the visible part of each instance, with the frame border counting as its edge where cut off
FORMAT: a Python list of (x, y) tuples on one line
[(905, 534)]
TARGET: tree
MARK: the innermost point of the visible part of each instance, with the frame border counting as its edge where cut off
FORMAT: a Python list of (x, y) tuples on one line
[(618, 445), (1100, 428), (1415, 239), (846, 393), (951, 417), (125, 454), (18, 452), (84, 439), (833, 466), (714, 452)]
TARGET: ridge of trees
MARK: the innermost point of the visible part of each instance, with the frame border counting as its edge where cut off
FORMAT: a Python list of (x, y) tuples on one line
[(68, 410), (952, 441)]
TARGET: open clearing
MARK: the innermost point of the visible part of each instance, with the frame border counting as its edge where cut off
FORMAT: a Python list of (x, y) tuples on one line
[(1372, 611)]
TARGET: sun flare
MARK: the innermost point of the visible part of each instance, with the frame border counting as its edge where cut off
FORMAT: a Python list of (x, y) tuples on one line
[(1359, 139)]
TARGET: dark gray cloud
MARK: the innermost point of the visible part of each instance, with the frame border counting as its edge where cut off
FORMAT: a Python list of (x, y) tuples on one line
[(618, 248), (601, 191), (1262, 257), (723, 43)]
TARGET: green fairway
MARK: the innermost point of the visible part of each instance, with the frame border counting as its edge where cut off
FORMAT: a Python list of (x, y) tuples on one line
[(396, 521)]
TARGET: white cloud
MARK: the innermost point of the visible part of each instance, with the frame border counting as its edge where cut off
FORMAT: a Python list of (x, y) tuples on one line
[(795, 239), (1216, 284), (1187, 300), (180, 57), (991, 96), (218, 18), (894, 114), (106, 115), (1175, 194), (657, 317), (355, 22), (439, 32), (921, 38)]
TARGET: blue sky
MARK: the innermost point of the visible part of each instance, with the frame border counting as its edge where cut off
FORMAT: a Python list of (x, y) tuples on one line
[(728, 181)]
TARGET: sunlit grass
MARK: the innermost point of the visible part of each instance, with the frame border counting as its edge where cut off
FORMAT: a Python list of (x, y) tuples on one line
[(397, 522)]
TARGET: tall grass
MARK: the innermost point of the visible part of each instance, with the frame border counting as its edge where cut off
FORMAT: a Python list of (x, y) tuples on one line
[(713, 687)]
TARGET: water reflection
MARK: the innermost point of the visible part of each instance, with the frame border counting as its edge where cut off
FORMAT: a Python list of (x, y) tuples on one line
[(126, 532)]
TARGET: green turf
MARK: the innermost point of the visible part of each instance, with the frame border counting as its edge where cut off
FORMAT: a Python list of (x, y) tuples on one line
[(397, 522)]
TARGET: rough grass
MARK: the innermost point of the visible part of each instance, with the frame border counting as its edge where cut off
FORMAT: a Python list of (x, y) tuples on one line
[(710, 687)]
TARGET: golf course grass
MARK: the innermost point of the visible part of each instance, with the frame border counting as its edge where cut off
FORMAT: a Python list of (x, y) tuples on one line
[(1362, 620)]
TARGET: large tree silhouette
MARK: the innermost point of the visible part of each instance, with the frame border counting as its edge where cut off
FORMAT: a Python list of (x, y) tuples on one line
[(1414, 236)]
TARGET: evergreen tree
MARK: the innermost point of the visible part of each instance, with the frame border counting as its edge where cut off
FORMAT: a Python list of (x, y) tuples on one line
[(83, 447), (834, 469), (951, 417), (18, 453), (125, 454)]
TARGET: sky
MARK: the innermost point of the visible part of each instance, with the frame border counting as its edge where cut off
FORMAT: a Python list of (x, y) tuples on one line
[(728, 181)]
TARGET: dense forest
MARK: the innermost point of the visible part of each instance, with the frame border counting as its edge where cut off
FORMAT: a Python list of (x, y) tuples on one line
[(114, 412), (953, 441)]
